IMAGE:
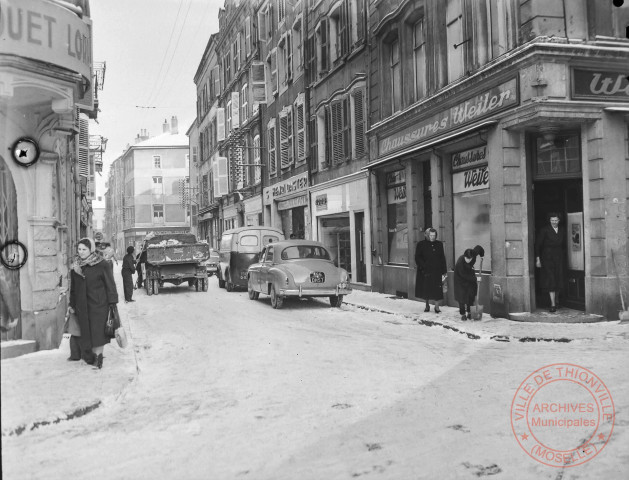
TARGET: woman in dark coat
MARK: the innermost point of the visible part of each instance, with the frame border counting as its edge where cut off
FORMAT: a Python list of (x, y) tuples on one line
[(92, 291), (465, 283), (431, 268), (549, 256)]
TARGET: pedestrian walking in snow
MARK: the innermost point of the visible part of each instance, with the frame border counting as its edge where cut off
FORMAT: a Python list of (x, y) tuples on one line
[(431, 269), (465, 283), (128, 269), (549, 256), (92, 291)]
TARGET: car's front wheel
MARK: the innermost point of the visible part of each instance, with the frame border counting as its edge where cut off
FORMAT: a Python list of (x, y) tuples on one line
[(276, 300), (336, 300)]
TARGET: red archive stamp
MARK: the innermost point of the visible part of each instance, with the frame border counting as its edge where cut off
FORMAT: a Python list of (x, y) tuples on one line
[(562, 415)]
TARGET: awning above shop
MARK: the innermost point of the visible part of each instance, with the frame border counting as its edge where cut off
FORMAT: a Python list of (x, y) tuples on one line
[(430, 143)]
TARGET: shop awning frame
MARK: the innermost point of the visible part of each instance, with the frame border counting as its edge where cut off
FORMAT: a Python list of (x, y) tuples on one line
[(430, 143)]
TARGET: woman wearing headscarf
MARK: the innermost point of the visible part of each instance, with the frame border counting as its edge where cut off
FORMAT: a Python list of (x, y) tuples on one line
[(431, 268), (92, 291)]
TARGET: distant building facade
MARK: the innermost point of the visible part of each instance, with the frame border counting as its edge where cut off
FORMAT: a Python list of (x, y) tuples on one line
[(146, 184)]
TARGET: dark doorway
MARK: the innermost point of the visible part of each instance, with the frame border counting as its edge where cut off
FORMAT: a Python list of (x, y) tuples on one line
[(564, 196), (298, 222), (361, 266)]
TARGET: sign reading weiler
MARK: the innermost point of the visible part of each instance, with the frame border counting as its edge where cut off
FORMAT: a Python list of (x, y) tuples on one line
[(499, 98), (600, 84)]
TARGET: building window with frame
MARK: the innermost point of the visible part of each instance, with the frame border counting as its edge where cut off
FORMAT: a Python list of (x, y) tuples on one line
[(158, 186), (298, 59), (557, 155), (323, 48), (157, 161), (286, 137), (419, 58), (397, 226), (395, 75), (454, 36), (158, 213), (244, 97), (314, 144)]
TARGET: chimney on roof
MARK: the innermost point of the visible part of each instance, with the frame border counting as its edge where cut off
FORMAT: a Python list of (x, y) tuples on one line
[(174, 128), (165, 126), (143, 135)]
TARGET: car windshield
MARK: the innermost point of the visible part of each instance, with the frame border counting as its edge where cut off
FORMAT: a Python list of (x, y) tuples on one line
[(305, 251)]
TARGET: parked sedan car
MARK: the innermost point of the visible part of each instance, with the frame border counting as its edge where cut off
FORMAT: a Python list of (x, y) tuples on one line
[(297, 268), (211, 264)]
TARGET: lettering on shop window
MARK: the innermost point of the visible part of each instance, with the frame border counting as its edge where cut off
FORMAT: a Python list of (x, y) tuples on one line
[(470, 180)]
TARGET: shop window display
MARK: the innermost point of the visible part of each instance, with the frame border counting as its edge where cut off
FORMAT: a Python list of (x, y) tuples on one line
[(396, 217)]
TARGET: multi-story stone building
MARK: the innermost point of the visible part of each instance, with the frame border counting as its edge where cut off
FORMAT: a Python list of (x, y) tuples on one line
[(336, 64), (47, 96), (484, 117), (147, 184)]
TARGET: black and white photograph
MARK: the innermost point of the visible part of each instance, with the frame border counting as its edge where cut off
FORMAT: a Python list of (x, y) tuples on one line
[(314, 239)]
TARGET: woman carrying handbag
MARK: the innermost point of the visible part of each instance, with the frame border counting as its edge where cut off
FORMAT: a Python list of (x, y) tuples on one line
[(92, 291)]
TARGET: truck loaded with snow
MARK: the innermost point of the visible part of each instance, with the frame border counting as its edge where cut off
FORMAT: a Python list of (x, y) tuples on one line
[(174, 258)]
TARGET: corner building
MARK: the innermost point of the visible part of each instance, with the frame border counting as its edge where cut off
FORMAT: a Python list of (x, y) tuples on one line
[(487, 115)]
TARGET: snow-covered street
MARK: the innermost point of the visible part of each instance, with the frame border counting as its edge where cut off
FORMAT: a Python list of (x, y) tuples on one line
[(230, 388)]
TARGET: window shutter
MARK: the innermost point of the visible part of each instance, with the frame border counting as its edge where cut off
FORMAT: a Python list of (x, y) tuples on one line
[(301, 132), (347, 134), (328, 136), (221, 181), (220, 124), (257, 175), (235, 114), (284, 160), (244, 102), (247, 36), (337, 132), (314, 150), (195, 153), (262, 30), (84, 146), (360, 20), (272, 152), (342, 43), (269, 21), (289, 56), (290, 130), (359, 123), (274, 84), (324, 45)]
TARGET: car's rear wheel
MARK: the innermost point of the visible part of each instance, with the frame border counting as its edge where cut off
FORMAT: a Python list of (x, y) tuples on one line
[(204, 284), (229, 286), (336, 300), (155, 286), (253, 295), (276, 300)]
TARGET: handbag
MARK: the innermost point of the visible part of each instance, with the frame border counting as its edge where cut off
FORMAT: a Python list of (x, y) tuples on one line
[(71, 324), (121, 337), (113, 321)]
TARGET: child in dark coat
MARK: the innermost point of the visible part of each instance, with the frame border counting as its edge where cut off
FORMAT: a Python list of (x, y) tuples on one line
[(465, 283)]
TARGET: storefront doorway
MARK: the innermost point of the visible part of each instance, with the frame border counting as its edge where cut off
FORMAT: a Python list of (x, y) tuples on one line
[(335, 234), (361, 265), (565, 197)]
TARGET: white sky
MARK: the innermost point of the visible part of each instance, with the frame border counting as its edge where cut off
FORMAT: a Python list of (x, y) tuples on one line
[(152, 49)]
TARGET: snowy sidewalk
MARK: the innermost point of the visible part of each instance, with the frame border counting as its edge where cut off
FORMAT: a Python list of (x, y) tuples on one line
[(488, 328), (43, 387)]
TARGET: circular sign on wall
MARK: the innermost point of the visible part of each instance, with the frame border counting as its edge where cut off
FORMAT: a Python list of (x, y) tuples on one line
[(25, 151), (13, 255)]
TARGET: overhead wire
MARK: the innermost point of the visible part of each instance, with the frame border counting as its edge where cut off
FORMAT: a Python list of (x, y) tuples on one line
[(163, 78), (157, 78)]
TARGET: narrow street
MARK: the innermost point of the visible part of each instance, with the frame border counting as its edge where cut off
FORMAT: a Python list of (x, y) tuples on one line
[(230, 388)]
